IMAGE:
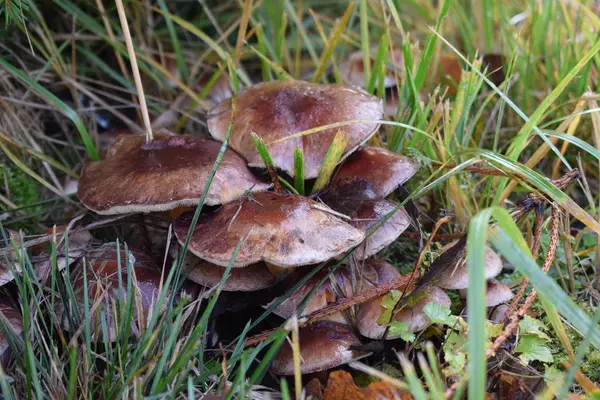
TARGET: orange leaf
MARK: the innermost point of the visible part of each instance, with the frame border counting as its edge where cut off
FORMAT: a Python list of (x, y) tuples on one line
[(340, 385)]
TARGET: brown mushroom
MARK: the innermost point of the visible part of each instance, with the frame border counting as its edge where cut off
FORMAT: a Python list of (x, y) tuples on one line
[(284, 230), (353, 69), (383, 169), (457, 276), (168, 172), (248, 279), (412, 314), (9, 260), (323, 345), (276, 110), (104, 290), (497, 293)]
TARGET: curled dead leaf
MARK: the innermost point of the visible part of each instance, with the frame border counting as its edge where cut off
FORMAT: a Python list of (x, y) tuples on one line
[(340, 385)]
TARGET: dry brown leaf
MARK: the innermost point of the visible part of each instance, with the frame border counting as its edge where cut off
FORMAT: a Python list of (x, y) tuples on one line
[(340, 385)]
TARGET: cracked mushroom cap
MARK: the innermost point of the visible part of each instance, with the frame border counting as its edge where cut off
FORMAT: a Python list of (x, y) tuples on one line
[(248, 279), (275, 110), (283, 230), (102, 274), (353, 69), (412, 314), (169, 172), (457, 276), (8, 258), (383, 169), (323, 345), (337, 285), (13, 320)]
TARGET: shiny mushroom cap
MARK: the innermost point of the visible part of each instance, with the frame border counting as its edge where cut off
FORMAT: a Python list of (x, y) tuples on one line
[(412, 313), (252, 277), (169, 172), (353, 69), (284, 230), (337, 285), (323, 345), (9, 261), (276, 110), (102, 275), (457, 276), (383, 169)]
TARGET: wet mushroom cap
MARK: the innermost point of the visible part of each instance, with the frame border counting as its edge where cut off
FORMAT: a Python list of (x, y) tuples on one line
[(284, 230), (169, 172), (412, 313), (276, 110), (252, 277), (353, 69), (383, 169), (323, 345), (13, 320), (457, 276)]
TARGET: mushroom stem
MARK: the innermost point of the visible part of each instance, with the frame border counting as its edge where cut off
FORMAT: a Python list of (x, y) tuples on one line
[(134, 68)]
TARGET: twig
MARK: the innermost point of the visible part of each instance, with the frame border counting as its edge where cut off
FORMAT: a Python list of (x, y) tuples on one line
[(134, 68)]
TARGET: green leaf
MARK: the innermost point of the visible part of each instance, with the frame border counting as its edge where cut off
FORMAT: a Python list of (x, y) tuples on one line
[(439, 314), (455, 353), (532, 348), (388, 302), (401, 329), (530, 326)]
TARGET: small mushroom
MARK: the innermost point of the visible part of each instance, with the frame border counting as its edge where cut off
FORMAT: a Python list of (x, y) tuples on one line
[(457, 276), (248, 279), (323, 345), (383, 169), (9, 260), (169, 172), (276, 110), (103, 288), (497, 293), (285, 230), (353, 69), (412, 314)]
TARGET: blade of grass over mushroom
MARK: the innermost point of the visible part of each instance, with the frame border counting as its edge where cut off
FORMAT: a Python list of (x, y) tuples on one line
[(59, 104), (336, 35), (299, 170), (333, 156)]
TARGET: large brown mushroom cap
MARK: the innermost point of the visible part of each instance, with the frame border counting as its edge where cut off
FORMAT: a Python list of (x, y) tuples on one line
[(275, 110), (168, 172), (366, 219), (102, 274), (457, 276), (412, 314), (8, 258), (383, 169), (252, 277), (284, 230), (323, 345)]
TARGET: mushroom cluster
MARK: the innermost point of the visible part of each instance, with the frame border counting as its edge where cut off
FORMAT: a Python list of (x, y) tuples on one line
[(266, 235)]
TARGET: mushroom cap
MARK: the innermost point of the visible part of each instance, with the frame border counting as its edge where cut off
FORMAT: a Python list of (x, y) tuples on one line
[(326, 294), (457, 276), (252, 277), (368, 216), (353, 69), (323, 345), (383, 169), (102, 273), (14, 321), (497, 293), (8, 258), (412, 314), (284, 230), (169, 172), (275, 110)]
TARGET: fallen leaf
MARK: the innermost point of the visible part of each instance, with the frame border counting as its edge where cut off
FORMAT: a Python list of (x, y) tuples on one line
[(340, 385)]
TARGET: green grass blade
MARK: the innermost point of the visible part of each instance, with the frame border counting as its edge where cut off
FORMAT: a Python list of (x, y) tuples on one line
[(299, 170), (332, 158)]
